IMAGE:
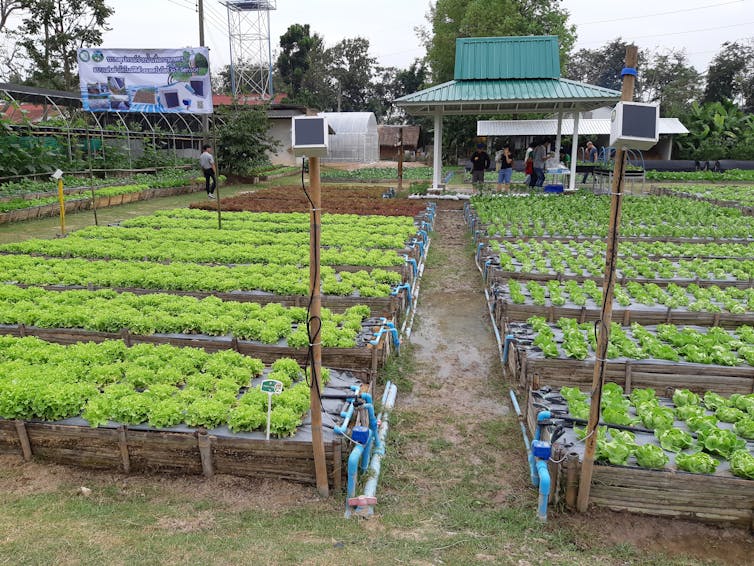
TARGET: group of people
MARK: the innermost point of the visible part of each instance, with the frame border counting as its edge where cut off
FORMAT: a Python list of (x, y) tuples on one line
[(480, 162), (535, 159)]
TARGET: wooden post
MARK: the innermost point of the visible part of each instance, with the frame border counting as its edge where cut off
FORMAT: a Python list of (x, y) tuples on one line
[(400, 158), (23, 438), (61, 200), (315, 324), (91, 175), (603, 336)]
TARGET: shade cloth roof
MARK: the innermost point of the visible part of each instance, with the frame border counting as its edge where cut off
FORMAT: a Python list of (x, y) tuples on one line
[(589, 127)]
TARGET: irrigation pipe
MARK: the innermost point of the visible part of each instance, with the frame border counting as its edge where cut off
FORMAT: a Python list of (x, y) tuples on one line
[(408, 323)]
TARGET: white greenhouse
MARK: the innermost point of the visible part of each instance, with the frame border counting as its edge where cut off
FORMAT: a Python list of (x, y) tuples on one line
[(355, 139)]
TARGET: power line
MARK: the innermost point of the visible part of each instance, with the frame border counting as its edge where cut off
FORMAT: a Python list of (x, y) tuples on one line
[(673, 12), (183, 5), (673, 33)]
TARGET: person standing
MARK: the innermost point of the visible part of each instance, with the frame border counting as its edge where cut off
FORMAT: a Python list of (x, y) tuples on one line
[(505, 172), (207, 163), (590, 157), (480, 162), (539, 155)]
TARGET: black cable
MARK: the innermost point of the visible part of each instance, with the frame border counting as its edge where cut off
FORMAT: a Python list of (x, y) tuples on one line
[(601, 356), (310, 351)]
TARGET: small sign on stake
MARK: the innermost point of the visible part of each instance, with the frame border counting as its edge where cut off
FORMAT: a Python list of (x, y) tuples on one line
[(271, 387)]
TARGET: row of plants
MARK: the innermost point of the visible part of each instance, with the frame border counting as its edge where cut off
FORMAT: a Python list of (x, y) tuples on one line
[(160, 179), (108, 311), (569, 339), (277, 279), (521, 249), (742, 195), (335, 200), (20, 203), (691, 297), (587, 215), (270, 221), (731, 175), (381, 173), (332, 236), (163, 386), (629, 267), (694, 431), (208, 252)]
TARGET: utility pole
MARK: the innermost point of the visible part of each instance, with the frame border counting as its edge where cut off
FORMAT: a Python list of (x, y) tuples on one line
[(603, 335), (201, 22)]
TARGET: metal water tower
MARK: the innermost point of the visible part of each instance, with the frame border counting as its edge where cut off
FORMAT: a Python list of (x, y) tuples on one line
[(250, 47)]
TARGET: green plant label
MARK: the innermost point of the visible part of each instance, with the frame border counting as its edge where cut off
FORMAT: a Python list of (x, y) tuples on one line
[(272, 386)]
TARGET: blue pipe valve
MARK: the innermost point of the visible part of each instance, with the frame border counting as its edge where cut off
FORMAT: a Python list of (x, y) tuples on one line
[(542, 449)]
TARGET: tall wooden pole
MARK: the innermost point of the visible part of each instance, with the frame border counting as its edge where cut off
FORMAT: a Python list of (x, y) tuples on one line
[(315, 324), (603, 335), (400, 159)]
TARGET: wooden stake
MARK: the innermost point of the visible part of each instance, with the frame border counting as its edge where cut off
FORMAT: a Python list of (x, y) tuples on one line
[(603, 336), (315, 324), (400, 159)]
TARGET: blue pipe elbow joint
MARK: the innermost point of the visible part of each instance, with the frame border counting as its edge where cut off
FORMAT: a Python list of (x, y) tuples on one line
[(506, 346)]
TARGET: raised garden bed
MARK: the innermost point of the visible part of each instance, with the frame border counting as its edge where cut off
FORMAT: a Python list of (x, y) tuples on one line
[(531, 369), (76, 205), (719, 498)]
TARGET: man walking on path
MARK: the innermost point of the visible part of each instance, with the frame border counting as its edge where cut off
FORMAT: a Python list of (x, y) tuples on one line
[(540, 155), (207, 163)]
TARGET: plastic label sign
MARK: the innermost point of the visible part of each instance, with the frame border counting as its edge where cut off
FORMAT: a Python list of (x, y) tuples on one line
[(272, 386)]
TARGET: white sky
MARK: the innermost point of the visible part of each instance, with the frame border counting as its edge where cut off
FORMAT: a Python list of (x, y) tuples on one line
[(698, 26)]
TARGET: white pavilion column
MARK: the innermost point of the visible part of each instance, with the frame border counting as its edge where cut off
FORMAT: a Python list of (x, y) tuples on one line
[(574, 149), (437, 153), (558, 134)]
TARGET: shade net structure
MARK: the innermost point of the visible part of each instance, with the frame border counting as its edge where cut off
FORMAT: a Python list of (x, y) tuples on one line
[(356, 139)]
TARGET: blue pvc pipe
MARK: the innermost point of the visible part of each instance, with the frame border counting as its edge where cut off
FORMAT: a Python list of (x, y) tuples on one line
[(366, 453), (529, 453), (544, 489), (506, 346), (353, 466), (347, 414)]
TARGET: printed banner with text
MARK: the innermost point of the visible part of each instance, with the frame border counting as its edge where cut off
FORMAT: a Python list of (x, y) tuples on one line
[(146, 80)]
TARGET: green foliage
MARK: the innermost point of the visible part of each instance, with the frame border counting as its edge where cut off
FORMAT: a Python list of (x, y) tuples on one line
[(244, 140), (651, 456), (742, 464), (698, 463), (717, 130)]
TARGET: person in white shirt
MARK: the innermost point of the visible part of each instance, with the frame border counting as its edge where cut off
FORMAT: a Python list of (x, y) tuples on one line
[(207, 163)]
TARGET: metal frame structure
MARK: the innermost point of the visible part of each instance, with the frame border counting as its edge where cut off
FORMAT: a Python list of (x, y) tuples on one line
[(250, 46)]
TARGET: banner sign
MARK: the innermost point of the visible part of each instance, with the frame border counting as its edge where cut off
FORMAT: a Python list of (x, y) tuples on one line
[(146, 80)]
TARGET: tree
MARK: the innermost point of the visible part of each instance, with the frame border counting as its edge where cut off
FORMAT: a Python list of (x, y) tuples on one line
[(352, 70), (53, 30), (717, 130), (730, 74), (450, 19), (243, 139), (601, 66), (669, 79), (7, 7), (391, 83), (299, 47)]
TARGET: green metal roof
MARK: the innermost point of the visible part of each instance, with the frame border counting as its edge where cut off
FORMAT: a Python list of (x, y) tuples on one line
[(514, 96), (525, 57)]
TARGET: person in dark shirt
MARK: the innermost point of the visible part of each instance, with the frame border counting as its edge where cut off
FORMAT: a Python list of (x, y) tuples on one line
[(590, 157), (506, 170), (480, 162)]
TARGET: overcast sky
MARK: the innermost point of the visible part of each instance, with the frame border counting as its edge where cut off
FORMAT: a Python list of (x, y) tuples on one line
[(698, 26)]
